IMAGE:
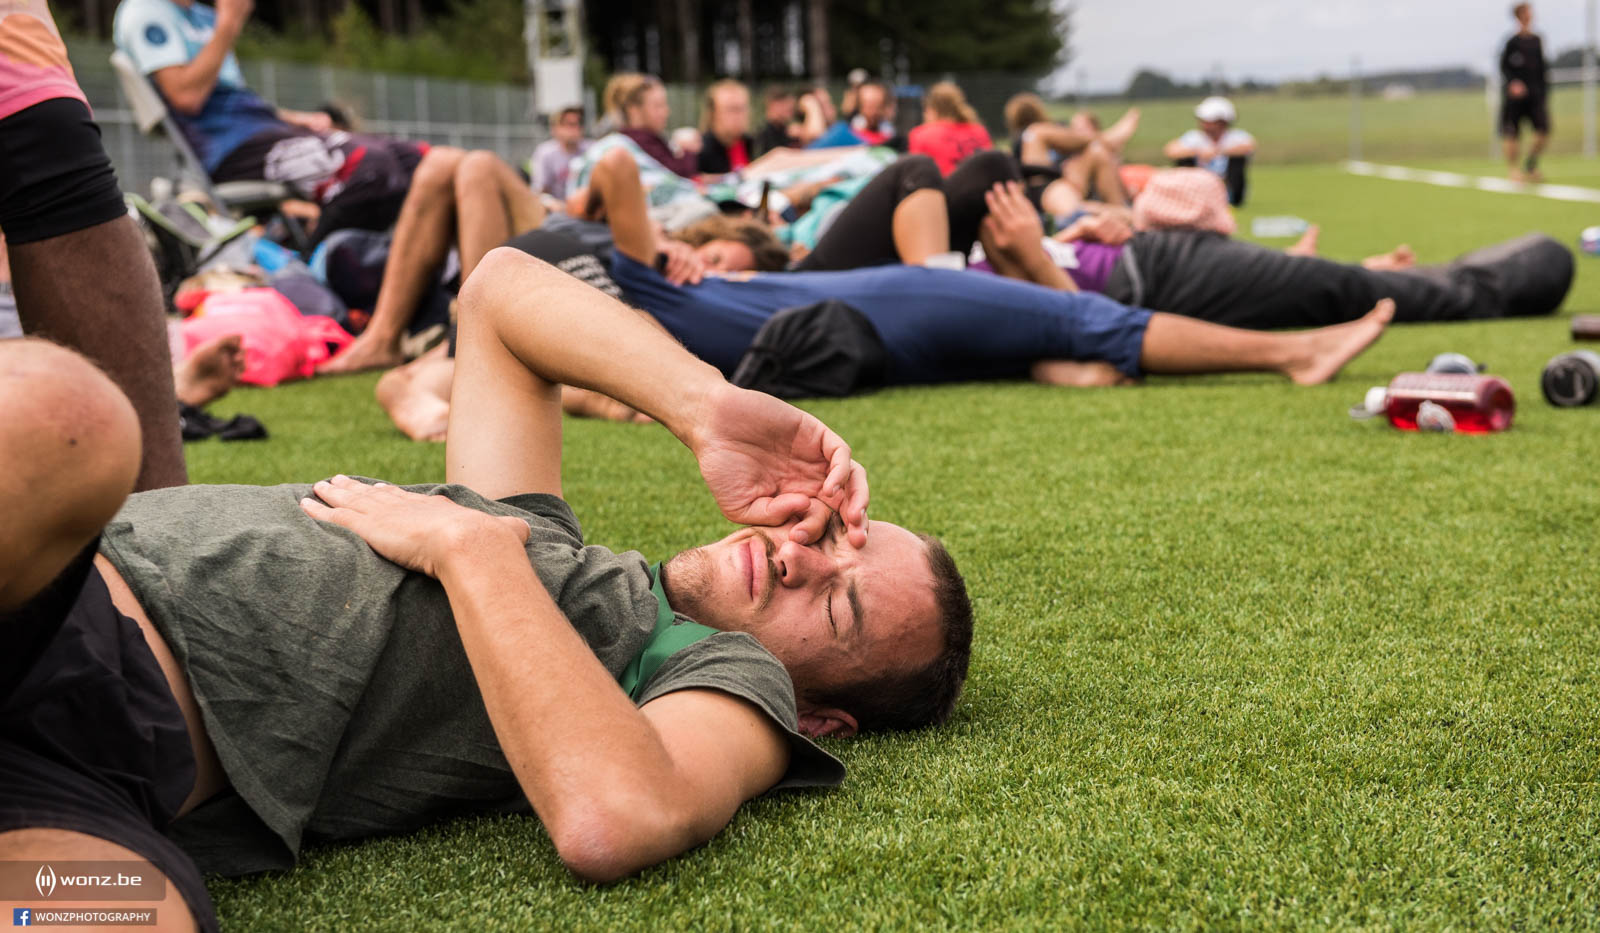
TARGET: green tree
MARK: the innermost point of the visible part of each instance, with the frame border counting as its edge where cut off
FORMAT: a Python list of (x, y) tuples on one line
[(931, 36)]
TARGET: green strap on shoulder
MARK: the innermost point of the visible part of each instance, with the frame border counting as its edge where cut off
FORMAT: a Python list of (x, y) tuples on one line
[(671, 635)]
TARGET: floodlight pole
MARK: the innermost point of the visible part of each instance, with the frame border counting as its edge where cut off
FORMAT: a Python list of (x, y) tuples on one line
[(1588, 81)]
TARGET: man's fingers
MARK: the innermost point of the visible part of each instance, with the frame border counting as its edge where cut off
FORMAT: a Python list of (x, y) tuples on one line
[(855, 507), (812, 526)]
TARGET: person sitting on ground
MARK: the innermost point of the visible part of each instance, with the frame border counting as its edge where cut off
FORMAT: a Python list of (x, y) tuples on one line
[(645, 119), (186, 49), (725, 145), (1205, 275), (776, 133), (950, 129), (552, 159), (473, 201), (873, 120), (246, 659), (1065, 165), (1217, 146), (941, 325)]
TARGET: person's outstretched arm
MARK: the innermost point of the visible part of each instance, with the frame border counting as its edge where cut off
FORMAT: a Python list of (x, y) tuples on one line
[(526, 327)]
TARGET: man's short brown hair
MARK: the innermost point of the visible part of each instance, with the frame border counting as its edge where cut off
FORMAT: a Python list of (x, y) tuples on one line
[(926, 696)]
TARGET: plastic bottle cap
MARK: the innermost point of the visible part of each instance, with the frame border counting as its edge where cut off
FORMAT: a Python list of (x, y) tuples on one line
[(1377, 400)]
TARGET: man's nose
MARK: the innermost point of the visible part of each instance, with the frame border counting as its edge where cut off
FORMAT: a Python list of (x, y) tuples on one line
[(800, 564)]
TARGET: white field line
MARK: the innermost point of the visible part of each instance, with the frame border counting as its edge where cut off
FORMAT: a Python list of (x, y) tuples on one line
[(1480, 182)]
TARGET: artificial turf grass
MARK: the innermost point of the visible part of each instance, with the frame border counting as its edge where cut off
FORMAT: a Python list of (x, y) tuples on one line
[(1238, 661)]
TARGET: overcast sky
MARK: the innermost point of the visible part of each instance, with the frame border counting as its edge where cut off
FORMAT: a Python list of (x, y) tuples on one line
[(1275, 39)]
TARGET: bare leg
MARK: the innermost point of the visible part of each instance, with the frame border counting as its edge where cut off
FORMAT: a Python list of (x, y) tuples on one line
[(95, 290), (210, 371), (1117, 135), (1307, 244), (422, 239), (1174, 344), (69, 454), (1513, 150), (921, 226), (1540, 140), (492, 206), (1401, 257), (60, 845), (1096, 167), (416, 396)]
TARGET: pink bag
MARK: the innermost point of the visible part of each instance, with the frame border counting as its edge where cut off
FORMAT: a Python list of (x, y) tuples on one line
[(279, 342)]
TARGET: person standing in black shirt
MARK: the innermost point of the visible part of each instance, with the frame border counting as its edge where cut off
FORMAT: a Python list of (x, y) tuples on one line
[(1525, 82)]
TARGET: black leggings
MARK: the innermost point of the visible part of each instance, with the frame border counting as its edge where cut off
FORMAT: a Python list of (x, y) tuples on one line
[(863, 233), (1213, 278)]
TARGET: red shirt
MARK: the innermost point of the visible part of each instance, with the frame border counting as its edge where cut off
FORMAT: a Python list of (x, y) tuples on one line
[(948, 143)]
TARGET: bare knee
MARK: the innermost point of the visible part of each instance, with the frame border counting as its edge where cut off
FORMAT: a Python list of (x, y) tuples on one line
[(437, 170), (172, 913), (616, 163), (477, 171), (69, 455)]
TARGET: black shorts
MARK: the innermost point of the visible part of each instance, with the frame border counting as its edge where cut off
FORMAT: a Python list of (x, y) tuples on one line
[(1533, 109), (91, 738), (55, 177)]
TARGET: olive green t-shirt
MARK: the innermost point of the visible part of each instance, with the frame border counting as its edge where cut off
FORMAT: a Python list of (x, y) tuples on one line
[(334, 685)]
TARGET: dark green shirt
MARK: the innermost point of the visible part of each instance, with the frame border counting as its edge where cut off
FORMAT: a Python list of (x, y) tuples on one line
[(333, 682)]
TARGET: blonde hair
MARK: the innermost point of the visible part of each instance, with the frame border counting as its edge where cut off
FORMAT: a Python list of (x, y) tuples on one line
[(948, 103), (616, 90), (1023, 111), (708, 105)]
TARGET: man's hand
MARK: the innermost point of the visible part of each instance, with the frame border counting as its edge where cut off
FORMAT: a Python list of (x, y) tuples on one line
[(1012, 222), (314, 120), (1108, 228), (767, 462), (683, 263), (1517, 90), (233, 14), (415, 531)]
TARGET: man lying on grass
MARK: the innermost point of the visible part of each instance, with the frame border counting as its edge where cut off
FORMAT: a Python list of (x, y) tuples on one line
[(242, 670)]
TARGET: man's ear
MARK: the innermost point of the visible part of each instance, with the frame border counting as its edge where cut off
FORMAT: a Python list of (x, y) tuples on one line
[(816, 723)]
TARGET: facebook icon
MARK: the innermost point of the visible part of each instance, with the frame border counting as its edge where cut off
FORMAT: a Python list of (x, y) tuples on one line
[(21, 916)]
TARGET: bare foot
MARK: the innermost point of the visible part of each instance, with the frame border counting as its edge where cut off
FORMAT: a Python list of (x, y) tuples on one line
[(1536, 176), (1093, 374), (1328, 349), (1117, 135), (419, 414), (1307, 244), (1401, 257), (1517, 175), (368, 352), (210, 371), (582, 403)]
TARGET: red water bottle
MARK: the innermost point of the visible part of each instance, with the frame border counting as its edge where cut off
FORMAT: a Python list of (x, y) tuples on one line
[(1469, 403)]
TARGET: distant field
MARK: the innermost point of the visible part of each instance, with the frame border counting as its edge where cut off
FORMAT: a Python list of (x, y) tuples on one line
[(1317, 129)]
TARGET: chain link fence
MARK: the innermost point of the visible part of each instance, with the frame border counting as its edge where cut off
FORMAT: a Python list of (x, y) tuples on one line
[(469, 114)]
